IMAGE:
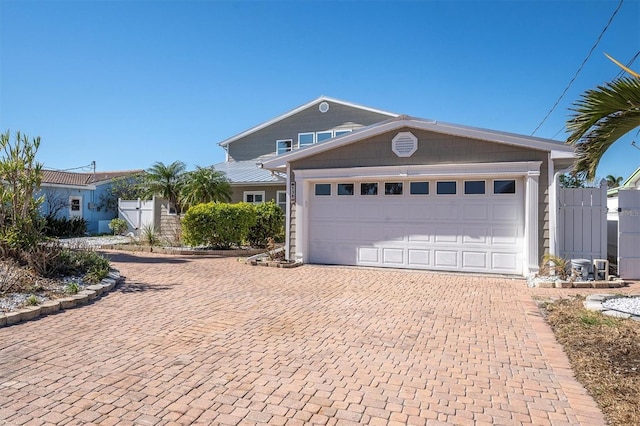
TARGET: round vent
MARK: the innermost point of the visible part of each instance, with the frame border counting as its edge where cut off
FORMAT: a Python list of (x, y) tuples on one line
[(323, 107), (404, 144)]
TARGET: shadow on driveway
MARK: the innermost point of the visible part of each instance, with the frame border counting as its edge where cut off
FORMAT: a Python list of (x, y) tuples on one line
[(132, 258)]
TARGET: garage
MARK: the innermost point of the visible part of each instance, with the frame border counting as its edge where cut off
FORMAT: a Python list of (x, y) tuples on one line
[(473, 224)]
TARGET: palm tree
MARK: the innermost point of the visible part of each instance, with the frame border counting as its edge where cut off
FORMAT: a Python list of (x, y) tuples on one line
[(204, 185), (602, 116), (613, 181), (166, 181)]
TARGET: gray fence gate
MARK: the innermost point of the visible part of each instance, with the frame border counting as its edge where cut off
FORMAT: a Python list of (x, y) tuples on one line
[(629, 234)]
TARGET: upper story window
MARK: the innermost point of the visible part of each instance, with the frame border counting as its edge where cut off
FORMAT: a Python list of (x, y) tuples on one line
[(341, 132), (323, 136), (306, 139), (284, 145)]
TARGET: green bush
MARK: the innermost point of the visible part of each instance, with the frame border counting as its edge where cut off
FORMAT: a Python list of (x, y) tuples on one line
[(219, 225), (269, 224), (118, 226), (63, 227)]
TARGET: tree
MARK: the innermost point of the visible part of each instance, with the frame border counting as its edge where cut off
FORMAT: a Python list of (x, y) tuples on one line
[(125, 187), (602, 116), (613, 181), (165, 181), (204, 185), (21, 175)]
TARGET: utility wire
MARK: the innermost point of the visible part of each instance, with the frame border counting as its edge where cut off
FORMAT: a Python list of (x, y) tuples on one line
[(628, 65), (564, 92)]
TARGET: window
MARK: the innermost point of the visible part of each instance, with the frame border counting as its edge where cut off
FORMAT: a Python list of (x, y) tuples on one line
[(254, 197), (75, 205), (368, 189), (504, 186), (393, 188), (474, 187), (281, 200), (446, 187), (323, 136), (345, 189), (342, 132), (284, 145), (323, 189), (419, 188), (306, 139)]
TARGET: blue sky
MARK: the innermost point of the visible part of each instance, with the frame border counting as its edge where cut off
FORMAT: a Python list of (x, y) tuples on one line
[(128, 83)]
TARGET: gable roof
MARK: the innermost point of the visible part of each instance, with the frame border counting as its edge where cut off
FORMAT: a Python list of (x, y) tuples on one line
[(56, 177), (297, 110), (632, 181), (558, 150)]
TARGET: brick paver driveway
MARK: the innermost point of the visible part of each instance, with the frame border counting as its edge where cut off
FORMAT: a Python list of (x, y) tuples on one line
[(213, 341)]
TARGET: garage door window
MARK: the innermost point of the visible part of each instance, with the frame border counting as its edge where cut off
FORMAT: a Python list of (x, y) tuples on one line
[(504, 186), (419, 188), (323, 189), (345, 189), (474, 187), (446, 188), (393, 188), (368, 189)]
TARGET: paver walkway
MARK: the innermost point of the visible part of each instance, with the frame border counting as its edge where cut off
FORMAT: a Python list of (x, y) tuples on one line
[(213, 341)]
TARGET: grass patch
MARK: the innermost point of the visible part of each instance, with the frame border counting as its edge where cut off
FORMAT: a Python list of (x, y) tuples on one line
[(605, 356)]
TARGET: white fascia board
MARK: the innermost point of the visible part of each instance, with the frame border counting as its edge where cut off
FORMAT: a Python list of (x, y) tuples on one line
[(419, 124), (294, 111), (258, 183), (519, 168), (563, 155), (60, 185)]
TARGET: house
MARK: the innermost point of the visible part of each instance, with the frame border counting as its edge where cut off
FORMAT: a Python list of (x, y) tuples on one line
[(80, 195), (631, 183), (315, 122), (415, 193)]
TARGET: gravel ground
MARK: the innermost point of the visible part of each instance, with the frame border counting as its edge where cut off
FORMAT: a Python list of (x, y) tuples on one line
[(630, 305), (95, 242)]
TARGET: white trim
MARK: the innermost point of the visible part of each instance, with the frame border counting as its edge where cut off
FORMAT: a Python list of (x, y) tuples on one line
[(80, 212), (278, 193), (330, 132), (299, 109), (529, 170), (89, 187), (254, 193), (557, 149), (287, 218)]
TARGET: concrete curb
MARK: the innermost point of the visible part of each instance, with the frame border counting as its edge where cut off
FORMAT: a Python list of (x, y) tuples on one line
[(49, 307), (181, 251)]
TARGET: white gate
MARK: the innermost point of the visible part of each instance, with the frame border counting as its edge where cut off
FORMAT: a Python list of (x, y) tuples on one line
[(629, 234), (582, 222), (138, 214)]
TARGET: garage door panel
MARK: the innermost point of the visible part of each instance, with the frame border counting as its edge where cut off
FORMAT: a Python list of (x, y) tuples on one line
[(474, 235), (369, 255), (475, 260), (475, 211), (419, 257), (446, 235), (479, 233)]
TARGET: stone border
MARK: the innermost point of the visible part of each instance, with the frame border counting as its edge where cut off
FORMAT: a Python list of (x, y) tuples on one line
[(48, 307), (594, 302)]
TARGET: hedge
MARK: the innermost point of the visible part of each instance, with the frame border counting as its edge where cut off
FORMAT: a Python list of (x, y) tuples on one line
[(218, 225), (269, 224)]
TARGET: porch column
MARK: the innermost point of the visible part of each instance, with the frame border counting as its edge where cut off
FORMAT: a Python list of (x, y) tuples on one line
[(531, 236)]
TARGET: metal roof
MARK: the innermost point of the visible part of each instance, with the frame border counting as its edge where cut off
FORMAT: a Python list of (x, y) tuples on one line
[(246, 172)]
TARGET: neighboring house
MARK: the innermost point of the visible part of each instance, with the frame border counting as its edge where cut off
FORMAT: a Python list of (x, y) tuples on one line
[(314, 122), (413, 193), (79, 195)]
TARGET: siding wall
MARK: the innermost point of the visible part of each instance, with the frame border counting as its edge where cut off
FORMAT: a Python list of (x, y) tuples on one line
[(263, 142), (269, 192), (435, 148)]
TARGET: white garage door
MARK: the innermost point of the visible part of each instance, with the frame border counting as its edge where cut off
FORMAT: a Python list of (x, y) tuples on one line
[(453, 225)]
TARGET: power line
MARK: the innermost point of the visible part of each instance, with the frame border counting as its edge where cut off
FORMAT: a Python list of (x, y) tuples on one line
[(629, 64), (564, 92)]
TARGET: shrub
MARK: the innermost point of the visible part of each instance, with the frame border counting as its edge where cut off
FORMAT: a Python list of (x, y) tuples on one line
[(118, 226), (150, 235), (269, 224), (63, 227), (218, 225)]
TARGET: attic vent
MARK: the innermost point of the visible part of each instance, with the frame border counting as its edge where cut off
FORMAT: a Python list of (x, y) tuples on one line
[(404, 144), (323, 107)]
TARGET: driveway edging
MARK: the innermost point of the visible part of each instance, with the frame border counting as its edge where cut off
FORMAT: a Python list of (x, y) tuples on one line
[(48, 307)]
